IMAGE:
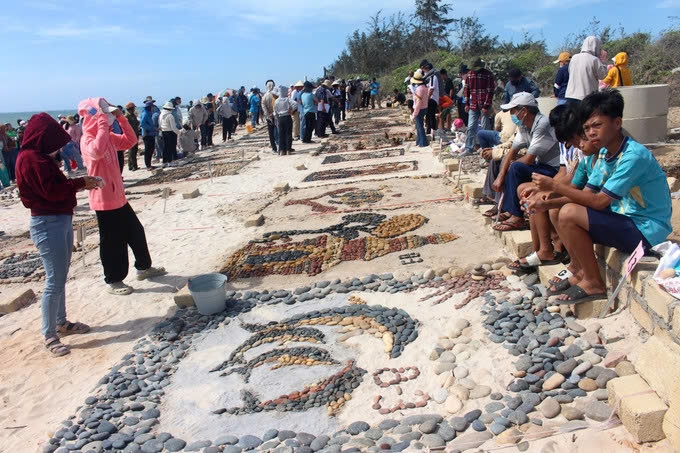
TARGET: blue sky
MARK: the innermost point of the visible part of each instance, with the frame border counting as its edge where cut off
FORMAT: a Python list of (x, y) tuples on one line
[(56, 53)]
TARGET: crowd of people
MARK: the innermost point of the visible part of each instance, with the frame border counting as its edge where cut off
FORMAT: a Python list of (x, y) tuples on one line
[(51, 160)]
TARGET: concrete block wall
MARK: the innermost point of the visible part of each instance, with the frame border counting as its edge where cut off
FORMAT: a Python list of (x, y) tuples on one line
[(644, 115)]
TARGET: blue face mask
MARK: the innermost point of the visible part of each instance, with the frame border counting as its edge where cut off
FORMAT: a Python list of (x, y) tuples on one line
[(516, 120)]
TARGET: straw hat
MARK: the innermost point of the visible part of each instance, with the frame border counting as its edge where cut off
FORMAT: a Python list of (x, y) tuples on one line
[(299, 84), (335, 82), (327, 83), (168, 106), (417, 77)]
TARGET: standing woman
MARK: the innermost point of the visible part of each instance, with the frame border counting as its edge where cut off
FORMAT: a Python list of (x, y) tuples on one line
[(420, 103), (170, 133), (51, 197), (119, 226)]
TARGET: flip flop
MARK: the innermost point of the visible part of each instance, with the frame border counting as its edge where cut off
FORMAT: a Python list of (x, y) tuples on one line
[(493, 212), (72, 328), (578, 295), (562, 275), (509, 226), (560, 288), (533, 261)]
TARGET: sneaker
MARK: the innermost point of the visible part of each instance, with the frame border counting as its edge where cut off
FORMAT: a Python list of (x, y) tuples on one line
[(151, 272)]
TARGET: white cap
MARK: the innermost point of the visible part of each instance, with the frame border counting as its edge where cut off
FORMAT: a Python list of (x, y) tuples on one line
[(522, 99)]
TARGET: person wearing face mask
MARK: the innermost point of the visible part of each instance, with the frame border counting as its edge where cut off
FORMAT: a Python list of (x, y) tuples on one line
[(543, 156), (118, 224), (518, 83)]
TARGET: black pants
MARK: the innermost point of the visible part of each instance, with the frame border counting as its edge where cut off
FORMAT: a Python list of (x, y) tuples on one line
[(242, 117), (169, 146), (431, 118), (330, 122), (121, 161), (309, 127), (321, 123), (118, 229), (342, 110), (271, 130), (132, 158), (285, 134), (227, 127), (210, 129), (365, 99), (149, 149)]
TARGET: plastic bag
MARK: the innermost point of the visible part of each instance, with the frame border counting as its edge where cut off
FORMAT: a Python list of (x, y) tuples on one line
[(670, 258)]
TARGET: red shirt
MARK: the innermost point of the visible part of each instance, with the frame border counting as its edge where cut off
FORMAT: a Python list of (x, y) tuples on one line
[(479, 89), (43, 187)]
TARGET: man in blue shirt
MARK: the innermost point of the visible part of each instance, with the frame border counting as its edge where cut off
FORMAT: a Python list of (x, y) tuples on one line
[(629, 201), (308, 105), (375, 93), (518, 84)]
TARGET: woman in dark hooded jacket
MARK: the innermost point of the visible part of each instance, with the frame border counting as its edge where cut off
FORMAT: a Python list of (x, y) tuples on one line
[(51, 197)]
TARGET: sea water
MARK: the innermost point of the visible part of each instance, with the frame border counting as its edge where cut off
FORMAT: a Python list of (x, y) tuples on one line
[(12, 117)]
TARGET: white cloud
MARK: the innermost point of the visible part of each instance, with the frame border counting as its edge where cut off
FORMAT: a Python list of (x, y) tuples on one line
[(72, 31), (668, 4), (521, 26)]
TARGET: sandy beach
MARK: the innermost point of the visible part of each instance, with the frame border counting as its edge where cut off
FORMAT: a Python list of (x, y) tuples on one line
[(200, 235)]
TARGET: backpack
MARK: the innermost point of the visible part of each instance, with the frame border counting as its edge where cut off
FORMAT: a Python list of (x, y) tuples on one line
[(438, 75)]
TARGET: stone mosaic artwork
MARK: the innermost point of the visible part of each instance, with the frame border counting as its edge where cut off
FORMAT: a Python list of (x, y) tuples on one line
[(367, 170), (338, 158), (193, 172), (277, 253), (395, 327), (21, 267), (350, 196)]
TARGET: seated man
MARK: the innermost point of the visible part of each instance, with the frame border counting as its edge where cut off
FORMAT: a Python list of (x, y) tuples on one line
[(630, 202), (494, 145), (548, 249), (543, 156)]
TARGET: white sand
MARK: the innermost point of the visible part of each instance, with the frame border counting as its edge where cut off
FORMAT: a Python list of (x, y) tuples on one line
[(196, 236)]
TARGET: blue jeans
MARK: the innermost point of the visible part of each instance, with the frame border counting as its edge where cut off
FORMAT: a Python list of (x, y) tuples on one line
[(421, 138), (253, 118), (517, 174), (488, 139), (53, 236), (561, 101), (474, 117)]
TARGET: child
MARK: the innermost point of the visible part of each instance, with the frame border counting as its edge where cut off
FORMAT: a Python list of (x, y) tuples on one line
[(457, 146), (628, 201), (188, 139)]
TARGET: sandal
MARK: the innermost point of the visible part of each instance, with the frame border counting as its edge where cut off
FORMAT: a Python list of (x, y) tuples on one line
[(560, 288), (578, 295), (72, 328), (151, 272), (533, 261), (119, 289), (493, 212), (510, 226), (562, 275), (483, 200), (56, 347)]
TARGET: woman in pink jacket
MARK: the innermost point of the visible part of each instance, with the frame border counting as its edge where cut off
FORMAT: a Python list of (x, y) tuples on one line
[(119, 226)]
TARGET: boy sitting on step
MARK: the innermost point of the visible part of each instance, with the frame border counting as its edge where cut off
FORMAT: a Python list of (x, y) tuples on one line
[(629, 201)]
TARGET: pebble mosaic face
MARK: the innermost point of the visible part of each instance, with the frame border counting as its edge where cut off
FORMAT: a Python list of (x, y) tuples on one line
[(395, 327), (367, 170), (273, 255)]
